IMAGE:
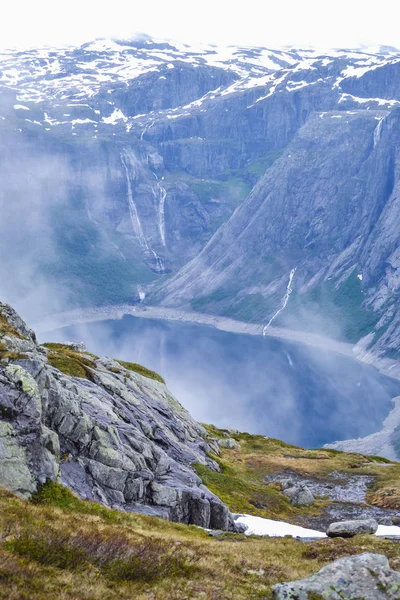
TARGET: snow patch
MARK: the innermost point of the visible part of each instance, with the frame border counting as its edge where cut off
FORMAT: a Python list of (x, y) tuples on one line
[(116, 116), (268, 527)]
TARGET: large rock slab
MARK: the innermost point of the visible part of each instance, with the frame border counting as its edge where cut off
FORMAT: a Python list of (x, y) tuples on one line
[(366, 577), (116, 437), (352, 528)]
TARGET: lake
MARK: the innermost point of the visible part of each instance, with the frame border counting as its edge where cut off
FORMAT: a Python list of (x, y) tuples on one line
[(293, 392)]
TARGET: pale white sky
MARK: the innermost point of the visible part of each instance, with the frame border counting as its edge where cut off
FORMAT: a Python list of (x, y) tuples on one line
[(333, 23)]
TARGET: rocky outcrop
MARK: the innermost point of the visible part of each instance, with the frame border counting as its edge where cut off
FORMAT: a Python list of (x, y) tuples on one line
[(108, 433), (229, 443), (299, 495), (366, 576), (348, 529)]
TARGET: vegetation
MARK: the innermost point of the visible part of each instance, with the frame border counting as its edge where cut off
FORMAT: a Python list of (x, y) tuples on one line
[(7, 329), (259, 166), (60, 546), (11, 356), (69, 361), (141, 370), (242, 485)]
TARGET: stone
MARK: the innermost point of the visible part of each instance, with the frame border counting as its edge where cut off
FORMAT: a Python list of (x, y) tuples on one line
[(77, 346), (241, 527), (120, 439), (352, 528), (367, 576), (396, 520), (286, 483), (299, 495), (229, 443)]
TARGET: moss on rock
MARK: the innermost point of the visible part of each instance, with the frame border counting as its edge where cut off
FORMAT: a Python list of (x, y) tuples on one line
[(141, 370)]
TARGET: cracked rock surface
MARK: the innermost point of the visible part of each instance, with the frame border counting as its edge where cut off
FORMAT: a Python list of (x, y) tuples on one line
[(116, 437)]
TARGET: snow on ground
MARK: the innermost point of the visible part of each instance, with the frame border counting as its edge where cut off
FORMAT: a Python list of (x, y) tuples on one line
[(260, 526), (388, 530), (268, 527)]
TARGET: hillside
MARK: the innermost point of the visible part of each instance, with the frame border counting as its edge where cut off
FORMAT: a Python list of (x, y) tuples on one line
[(60, 546), (94, 451)]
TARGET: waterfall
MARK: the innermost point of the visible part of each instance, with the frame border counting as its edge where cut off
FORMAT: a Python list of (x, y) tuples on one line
[(161, 212), (147, 127), (284, 301), (377, 131), (134, 215), (136, 224)]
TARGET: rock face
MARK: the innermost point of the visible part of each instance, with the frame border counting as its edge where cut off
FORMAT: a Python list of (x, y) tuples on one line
[(110, 434), (367, 576), (351, 528), (147, 149)]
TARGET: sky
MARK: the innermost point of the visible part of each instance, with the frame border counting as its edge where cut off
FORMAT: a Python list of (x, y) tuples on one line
[(343, 23)]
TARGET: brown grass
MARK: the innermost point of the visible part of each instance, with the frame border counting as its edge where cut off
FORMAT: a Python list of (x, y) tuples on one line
[(241, 483), (122, 555)]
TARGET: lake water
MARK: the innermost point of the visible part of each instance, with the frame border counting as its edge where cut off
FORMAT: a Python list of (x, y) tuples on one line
[(261, 385)]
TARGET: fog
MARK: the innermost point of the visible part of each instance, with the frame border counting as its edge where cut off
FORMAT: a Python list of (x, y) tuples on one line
[(284, 390), (33, 187)]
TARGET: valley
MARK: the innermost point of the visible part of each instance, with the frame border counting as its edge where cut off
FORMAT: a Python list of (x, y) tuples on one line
[(205, 239)]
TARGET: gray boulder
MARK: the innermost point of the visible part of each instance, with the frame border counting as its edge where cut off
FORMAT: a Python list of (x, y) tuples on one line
[(366, 577), (352, 528), (228, 443), (299, 495)]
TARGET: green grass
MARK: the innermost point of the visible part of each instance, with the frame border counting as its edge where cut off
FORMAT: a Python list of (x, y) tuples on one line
[(141, 370), (69, 361), (259, 166), (241, 482)]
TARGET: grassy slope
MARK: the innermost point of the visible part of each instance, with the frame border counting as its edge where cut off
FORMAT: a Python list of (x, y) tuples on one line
[(64, 547), (241, 482), (60, 546)]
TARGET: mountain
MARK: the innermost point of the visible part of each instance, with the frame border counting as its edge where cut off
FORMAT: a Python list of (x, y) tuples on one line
[(201, 177)]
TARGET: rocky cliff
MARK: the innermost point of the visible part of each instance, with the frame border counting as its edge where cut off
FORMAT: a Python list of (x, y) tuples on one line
[(109, 432), (139, 157)]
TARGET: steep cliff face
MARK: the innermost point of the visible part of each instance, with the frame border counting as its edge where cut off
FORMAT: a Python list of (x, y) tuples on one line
[(322, 225), (111, 432), (135, 154)]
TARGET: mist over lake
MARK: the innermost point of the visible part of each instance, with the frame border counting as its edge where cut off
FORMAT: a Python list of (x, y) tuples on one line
[(285, 390)]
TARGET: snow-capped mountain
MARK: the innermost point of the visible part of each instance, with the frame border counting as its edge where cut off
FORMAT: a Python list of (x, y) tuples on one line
[(58, 84), (224, 168)]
